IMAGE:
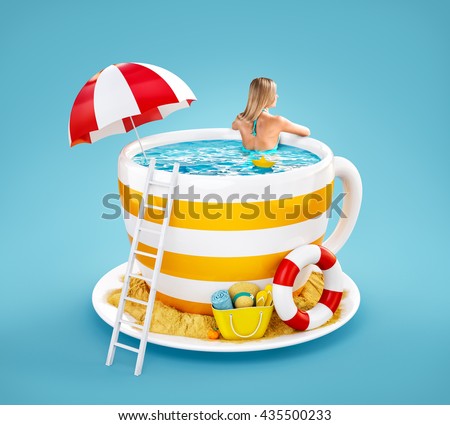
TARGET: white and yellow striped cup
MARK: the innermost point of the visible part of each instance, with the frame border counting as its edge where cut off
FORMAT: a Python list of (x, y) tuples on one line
[(210, 245)]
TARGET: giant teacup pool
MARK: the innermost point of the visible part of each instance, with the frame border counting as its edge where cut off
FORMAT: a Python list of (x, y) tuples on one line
[(230, 222)]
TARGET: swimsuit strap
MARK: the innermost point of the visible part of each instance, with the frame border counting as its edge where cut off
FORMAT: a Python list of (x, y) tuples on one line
[(254, 122), (254, 127)]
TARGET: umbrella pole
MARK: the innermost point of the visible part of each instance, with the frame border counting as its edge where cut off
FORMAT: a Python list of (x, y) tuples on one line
[(139, 140)]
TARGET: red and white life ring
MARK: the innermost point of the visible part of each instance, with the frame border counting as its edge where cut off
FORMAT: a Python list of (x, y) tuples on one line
[(283, 283)]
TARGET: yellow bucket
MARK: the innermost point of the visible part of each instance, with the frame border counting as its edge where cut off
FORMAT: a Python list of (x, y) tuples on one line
[(243, 323)]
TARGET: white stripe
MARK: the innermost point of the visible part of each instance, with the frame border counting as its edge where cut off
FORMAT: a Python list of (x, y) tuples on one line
[(304, 255), (191, 290), (283, 301), (113, 99), (166, 110), (286, 184), (179, 87), (114, 128), (237, 243), (319, 315), (333, 278)]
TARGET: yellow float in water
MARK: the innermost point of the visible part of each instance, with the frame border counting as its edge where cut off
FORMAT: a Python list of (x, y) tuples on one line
[(263, 162)]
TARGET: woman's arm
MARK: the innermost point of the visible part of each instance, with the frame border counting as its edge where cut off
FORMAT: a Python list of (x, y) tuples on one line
[(290, 127)]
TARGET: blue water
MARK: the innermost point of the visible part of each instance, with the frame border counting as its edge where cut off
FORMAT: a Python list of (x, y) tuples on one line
[(224, 158)]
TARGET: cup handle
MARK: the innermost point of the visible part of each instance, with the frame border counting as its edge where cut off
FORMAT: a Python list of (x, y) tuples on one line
[(352, 185), (347, 172)]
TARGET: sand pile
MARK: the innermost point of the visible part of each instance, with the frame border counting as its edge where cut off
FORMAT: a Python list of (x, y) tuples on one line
[(168, 320)]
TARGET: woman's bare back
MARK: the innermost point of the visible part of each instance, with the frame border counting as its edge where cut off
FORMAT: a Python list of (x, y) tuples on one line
[(268, 129)]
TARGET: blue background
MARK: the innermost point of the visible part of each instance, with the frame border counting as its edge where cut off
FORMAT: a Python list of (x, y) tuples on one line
[(369, 78)]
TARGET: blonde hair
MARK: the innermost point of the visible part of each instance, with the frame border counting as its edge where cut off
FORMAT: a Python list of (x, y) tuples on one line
[(260, 95)]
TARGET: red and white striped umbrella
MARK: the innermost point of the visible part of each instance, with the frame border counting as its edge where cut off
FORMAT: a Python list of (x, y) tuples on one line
[(124, 96)]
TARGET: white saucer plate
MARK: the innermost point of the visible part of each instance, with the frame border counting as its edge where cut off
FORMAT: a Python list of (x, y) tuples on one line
[(111, 281)]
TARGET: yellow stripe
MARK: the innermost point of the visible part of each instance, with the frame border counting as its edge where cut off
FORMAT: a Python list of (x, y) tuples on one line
[(186, 306), (220, 269), (232, 215)]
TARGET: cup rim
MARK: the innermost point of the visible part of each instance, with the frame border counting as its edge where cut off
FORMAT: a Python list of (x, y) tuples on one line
[(315, 146)]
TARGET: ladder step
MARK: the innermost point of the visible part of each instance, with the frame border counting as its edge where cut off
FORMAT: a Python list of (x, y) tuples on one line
[(126, 347), (138, 276), (145, 254), (156, 232), (155, 207), (135, 300), (163, 184), (127, 322)]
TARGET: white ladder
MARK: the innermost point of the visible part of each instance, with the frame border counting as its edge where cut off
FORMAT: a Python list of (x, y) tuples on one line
[(129, 272)]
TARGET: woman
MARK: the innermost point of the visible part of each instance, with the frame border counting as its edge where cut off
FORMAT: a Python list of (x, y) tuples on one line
[(259, 130)]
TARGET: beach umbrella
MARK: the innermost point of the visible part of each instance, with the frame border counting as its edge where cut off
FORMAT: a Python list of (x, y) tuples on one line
[(122, 97)]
